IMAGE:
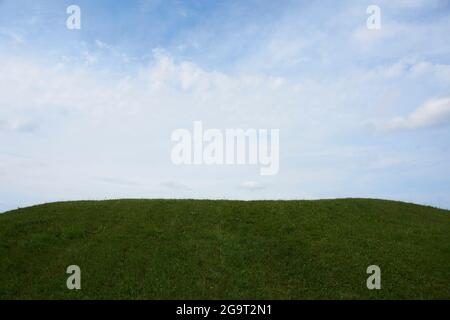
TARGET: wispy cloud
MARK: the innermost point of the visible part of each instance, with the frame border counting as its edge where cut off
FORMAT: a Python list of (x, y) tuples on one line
[(118, 181), (173, 185), (18, 125), (252, 186), (435, 112), (14, 36)]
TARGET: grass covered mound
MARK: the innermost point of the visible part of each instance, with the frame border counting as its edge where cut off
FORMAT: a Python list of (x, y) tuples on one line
[(191, 249)]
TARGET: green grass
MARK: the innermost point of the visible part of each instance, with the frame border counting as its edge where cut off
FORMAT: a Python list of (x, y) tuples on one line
[(190, 249)]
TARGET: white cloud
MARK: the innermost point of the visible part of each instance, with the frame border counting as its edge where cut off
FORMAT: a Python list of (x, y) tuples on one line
[(89, 58), (173, 185), (18, 125), (14, 36), (366, 37), (424, 68), (118, 181), (411, 4), (413, 68), (435, 112), (251, 185)]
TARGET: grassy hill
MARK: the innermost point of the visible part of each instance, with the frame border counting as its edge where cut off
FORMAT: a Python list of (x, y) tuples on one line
[(189, 249)]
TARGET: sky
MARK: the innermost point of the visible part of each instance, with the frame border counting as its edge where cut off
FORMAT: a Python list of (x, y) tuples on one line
[(88, 113)]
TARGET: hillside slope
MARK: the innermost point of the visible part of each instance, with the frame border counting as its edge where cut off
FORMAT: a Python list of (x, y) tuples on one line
[(191, 249)]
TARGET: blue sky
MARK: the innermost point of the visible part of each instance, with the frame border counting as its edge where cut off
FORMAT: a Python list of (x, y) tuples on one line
[(88, 114)]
